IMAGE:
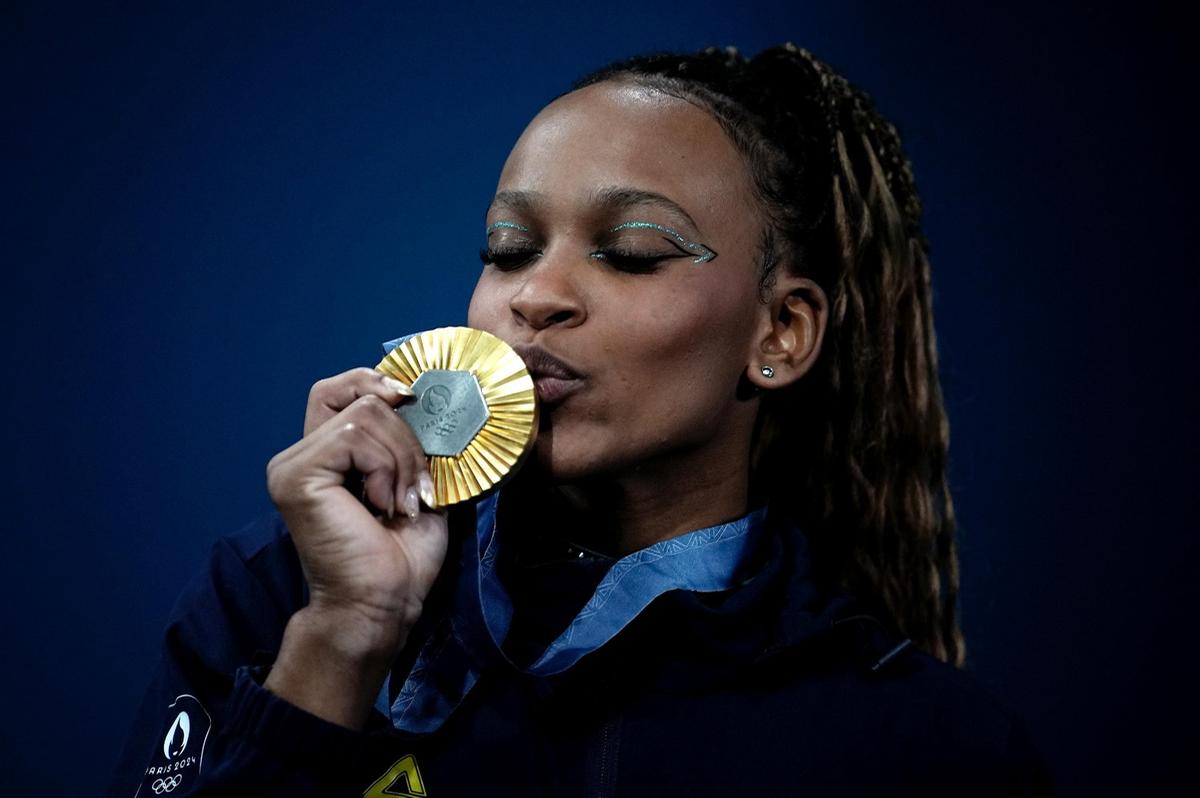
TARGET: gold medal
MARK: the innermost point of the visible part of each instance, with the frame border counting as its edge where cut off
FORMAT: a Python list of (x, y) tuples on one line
[(475, 411)]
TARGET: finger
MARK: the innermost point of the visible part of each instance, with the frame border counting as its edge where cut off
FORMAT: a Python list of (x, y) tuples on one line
[(330, 396), (426, 540), (379, 489), (351, 445), (422, 483), (323, 459), (395, 433)]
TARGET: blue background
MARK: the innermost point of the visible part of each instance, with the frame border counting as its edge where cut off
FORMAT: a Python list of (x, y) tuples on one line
[(207, 209)]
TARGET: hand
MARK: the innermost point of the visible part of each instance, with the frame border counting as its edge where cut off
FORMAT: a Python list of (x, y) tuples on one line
[(369, 572)]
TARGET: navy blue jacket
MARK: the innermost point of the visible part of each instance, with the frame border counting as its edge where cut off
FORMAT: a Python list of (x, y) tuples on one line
[(771, 687)]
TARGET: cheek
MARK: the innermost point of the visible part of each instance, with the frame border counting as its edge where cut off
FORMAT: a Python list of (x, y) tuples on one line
[(482, 311), (685, 352), (701, 320)]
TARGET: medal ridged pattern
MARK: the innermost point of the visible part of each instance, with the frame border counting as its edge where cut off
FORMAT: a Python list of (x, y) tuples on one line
[(511, 427)]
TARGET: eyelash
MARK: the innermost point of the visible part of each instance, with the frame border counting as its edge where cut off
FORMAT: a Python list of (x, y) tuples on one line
[(507, 260)]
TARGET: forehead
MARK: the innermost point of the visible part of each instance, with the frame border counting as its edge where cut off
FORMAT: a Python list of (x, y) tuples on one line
[(619, 134)]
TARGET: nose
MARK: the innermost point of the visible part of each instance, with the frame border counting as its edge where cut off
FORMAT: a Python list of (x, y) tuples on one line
[(550, 294)]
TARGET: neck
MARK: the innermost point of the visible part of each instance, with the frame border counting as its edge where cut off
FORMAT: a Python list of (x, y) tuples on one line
[(623, 513)]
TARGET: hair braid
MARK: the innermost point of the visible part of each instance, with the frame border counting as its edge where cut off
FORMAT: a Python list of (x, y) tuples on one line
[(865, 433)]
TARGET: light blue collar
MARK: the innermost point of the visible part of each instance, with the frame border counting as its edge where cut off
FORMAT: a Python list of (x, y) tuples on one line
[(448, 664)]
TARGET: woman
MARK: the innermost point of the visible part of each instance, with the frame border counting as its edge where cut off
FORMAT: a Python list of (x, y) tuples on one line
[(729, 566)]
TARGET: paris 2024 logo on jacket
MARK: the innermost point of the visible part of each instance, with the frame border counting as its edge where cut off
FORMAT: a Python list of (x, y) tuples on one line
[(179, 756)]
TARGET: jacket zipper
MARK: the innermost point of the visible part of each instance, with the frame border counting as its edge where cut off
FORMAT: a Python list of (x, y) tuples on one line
[(610, 745)]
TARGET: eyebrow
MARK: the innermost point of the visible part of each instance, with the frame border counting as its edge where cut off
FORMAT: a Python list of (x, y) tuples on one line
[(614, 197)]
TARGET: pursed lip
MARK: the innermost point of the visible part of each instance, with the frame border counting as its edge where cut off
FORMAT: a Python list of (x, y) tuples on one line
[(553, 378)]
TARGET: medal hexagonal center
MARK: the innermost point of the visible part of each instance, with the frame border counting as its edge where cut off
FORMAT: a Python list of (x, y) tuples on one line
[(448, 412)]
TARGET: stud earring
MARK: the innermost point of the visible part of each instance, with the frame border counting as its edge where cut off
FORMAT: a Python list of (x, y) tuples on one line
[(767, 372)]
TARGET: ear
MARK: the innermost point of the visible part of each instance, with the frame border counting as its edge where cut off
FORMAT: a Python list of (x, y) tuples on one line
[(788, 340)]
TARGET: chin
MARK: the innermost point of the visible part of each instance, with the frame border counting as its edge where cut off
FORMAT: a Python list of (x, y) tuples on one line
[(557, 465), (559, 457)]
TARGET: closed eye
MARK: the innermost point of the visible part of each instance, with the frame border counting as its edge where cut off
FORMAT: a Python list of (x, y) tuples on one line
[(506, 259), (631, 262)]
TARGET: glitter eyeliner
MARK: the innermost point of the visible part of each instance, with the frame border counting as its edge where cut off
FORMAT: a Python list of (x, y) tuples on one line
[(703, 254)]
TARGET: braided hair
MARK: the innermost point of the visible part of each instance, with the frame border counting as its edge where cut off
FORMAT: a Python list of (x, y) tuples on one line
[(856, 450)]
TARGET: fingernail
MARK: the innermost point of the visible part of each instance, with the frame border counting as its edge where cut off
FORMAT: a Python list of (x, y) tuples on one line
[(398, 387), (426, 483), (411, 504)]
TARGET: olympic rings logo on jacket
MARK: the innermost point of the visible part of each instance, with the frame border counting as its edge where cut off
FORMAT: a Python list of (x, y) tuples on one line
[(166, 785)]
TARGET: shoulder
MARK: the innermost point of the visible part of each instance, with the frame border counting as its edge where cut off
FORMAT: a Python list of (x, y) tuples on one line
[(260, 558), (932, 692), (964, 728), (239, 603), (921, 719), (264, 551)]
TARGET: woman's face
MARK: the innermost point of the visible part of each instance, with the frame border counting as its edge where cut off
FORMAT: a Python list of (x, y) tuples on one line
[(623, 236)]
